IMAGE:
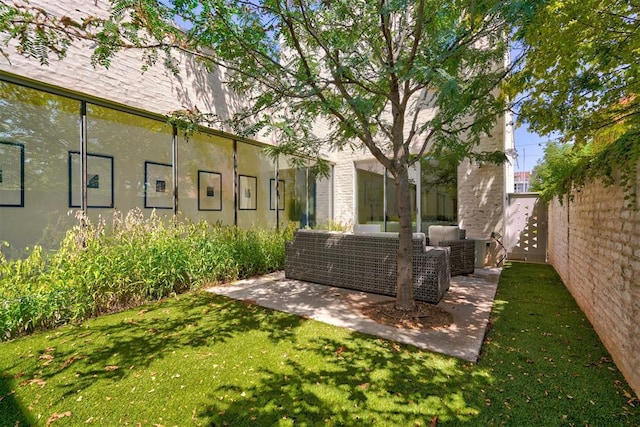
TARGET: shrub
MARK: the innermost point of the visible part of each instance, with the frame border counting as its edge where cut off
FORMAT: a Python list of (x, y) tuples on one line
[(99, 269)]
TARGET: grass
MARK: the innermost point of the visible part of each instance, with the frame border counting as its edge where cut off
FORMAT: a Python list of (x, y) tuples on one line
[(200, 359)]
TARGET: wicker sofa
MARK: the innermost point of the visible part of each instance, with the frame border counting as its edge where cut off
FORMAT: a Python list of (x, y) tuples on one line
[(462, 249), (366, 262)]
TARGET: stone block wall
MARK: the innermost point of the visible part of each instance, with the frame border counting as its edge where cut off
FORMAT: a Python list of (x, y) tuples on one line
[(594, 244)]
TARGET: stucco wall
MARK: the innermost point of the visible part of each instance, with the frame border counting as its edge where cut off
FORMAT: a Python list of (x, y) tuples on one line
[(594, 244)]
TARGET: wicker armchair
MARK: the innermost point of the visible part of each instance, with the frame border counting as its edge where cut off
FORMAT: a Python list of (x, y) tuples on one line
[(462, 249)]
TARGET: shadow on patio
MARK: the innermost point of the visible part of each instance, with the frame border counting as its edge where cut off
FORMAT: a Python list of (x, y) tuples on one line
[(469, 300)]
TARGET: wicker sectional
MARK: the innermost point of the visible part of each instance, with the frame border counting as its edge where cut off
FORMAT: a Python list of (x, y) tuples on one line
[(463, 256), (366, 262)]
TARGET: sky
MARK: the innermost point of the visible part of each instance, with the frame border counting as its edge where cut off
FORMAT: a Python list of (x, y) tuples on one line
[(529, 147)]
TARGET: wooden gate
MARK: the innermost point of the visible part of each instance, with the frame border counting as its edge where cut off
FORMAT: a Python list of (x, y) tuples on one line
[(526, 230)]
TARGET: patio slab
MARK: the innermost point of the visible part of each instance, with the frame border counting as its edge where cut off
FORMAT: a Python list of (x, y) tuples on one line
[(469, 300)]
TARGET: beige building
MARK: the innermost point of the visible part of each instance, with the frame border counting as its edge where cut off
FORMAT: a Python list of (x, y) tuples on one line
[(69, 126)]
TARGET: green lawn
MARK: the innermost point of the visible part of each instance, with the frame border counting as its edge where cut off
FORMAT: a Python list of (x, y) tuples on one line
[(200, 359)]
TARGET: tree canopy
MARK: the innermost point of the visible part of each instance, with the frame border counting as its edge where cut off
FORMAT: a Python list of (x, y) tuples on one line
[(401, 78), (368, 68), (581, 81), (582, 67)]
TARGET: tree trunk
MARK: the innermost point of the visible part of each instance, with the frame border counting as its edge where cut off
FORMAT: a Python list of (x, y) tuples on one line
[(404, 290)]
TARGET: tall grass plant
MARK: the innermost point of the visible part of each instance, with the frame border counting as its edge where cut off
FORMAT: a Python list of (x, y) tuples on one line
[(100, 268)]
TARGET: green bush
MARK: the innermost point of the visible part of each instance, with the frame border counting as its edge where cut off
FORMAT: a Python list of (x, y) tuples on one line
[(99, 269)]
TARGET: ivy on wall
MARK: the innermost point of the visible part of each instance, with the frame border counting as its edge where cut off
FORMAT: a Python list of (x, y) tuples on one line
[(566, 168)]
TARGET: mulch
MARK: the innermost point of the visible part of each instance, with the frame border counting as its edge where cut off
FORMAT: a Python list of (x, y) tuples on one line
[(424, 316)]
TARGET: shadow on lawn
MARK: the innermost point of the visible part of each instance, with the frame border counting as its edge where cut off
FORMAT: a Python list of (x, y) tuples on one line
[(110, 348), (543, 364), (10, 409), (381, 382)]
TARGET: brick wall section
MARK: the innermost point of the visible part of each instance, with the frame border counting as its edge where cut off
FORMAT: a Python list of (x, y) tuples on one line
[(594, 244), (558, 238), (482, 194), (344, 209)]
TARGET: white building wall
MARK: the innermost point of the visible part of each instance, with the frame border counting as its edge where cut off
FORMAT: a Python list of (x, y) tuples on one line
[(481, 187), (482, 195), (481, 192), (344, 175), (156, 90)]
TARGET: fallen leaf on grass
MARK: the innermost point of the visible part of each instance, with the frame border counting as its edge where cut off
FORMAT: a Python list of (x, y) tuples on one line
[(631, 400), (141, 312), (47, 358), (111, 368), (341, 349), (434, 422), (38, 381), (56, 416), (72, 359)]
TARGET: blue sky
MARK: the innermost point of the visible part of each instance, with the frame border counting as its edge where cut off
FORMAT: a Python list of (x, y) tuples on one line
[(530, 148)]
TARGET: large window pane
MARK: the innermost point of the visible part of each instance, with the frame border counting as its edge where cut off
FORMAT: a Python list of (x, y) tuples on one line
[(307, 198), (320, 200), (439, 188), (370, 183), (141, 153), (45, 128), (393, 218), (293, 192), (205, 183), (255, 172)]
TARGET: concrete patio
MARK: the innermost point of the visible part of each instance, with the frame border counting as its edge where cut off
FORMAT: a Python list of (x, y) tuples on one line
[(469, 300)]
